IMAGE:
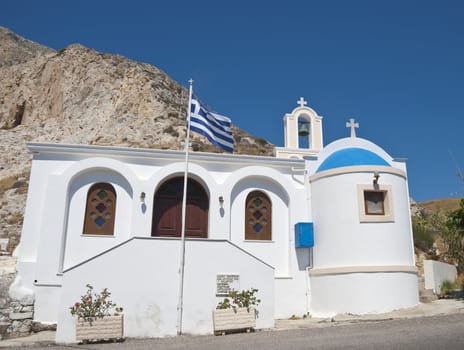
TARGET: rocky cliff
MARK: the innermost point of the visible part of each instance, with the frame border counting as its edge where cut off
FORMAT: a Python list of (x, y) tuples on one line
[(79, 95), (15, 49)]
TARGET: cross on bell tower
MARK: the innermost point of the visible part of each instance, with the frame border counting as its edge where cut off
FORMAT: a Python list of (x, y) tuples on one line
[(351, 124), (302, 102)]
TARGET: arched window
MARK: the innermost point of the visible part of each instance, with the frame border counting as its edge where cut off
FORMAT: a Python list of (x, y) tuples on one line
[(100, 210), (258, 216), (167, 210)]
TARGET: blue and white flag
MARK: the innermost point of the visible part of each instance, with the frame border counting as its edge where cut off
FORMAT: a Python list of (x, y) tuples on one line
[(215, 127)]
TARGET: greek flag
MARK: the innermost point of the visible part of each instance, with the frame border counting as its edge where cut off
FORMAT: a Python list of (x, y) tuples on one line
[(215, 127)]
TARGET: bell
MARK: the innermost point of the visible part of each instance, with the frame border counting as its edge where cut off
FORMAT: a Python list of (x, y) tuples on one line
[(303, 129)]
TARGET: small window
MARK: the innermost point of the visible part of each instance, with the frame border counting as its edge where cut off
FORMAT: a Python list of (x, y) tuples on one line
[(100, 210), (258, 217), (374, 202)]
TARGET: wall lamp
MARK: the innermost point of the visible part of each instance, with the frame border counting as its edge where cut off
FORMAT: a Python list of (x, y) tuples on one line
[(376, 178)]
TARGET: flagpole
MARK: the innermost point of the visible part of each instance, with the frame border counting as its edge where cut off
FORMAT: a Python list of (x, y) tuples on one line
[(184, 206)]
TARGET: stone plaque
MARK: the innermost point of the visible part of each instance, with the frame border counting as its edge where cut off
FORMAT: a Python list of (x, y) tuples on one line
[(227, 282)]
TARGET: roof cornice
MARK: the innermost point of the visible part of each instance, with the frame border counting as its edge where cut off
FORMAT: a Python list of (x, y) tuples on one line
[(119, 152)]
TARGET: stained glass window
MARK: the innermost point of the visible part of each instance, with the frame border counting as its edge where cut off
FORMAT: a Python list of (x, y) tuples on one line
[(258, 221), (100, 210)]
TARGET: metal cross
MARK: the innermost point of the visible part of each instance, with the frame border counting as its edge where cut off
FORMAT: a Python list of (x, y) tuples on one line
[(351, 124), (302, 102)]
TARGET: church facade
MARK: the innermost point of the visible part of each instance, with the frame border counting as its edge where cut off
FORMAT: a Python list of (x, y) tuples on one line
[(317, 229)]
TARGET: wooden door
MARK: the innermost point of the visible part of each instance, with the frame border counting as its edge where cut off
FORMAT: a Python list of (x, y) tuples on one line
[(167, 210)]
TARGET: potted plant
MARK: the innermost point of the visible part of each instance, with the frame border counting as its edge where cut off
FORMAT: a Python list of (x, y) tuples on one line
[(98, 318), (236, 312)]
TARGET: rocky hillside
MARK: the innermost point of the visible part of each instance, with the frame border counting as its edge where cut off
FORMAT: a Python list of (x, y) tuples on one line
[(15, 49), (81, 96), (441, 206)]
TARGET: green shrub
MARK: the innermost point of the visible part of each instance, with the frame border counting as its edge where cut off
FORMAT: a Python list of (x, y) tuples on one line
[(422, 237), (245, 298), (446, 288), (453, 235)]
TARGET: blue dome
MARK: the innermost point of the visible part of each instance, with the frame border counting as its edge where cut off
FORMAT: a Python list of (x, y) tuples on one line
[(351, 157)]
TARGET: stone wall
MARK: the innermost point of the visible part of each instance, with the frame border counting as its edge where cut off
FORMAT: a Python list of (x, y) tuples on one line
[(16, 316)]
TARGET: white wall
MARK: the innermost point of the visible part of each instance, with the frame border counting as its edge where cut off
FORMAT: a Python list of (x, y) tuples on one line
[(62, 174), (32, 236), (361, 293), (142, 276), (342, 240), (435, 273), (292, 293)]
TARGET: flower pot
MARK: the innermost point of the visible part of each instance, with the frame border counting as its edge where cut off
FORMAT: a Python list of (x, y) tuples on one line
[(106, 328), (240, 318)]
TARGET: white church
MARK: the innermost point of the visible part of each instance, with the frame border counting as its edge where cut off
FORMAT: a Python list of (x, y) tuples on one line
[(318, 230)]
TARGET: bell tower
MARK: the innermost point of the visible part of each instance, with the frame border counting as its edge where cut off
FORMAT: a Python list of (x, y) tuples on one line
[(302, 132)]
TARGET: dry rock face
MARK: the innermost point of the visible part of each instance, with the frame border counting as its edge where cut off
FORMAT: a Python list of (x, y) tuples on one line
[(15, 49)]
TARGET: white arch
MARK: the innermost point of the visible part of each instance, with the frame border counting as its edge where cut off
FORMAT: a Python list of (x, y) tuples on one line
[(79, 170), (269, 174), (92, 164), (196, 172)]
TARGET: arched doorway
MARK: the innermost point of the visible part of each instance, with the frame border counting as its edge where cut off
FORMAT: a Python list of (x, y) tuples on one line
[(167, 209)]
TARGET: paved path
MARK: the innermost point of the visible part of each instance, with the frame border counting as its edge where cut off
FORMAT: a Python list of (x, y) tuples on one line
[(436, 308)]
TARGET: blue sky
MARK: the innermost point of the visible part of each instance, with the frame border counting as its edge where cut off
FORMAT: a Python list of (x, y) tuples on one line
[(397, 67)]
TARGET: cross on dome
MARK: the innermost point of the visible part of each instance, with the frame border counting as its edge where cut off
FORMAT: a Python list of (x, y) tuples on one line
[(351, 124), (302, 102)]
